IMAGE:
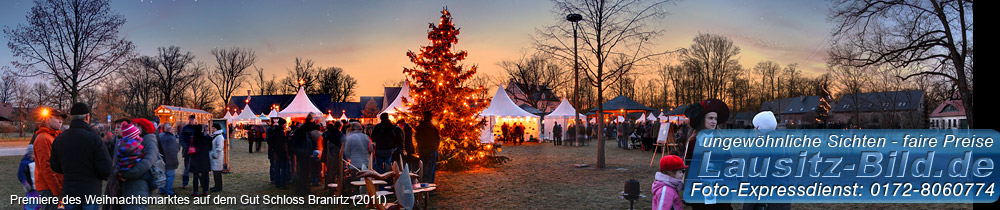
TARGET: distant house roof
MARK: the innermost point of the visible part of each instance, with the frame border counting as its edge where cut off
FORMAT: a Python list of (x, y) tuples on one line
[(622, 102), (352, 109), (881, 101), (745, 116), (951, 107), (801, 104), (778, 106), (530, 109), (540, 92), (677, 111)]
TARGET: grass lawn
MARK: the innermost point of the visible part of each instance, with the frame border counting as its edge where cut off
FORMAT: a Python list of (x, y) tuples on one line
[(539, 176)]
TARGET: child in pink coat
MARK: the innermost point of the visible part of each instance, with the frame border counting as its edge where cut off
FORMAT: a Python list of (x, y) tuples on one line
[(668, 182)]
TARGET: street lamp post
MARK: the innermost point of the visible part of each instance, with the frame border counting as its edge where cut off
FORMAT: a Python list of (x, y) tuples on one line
[(574, 18)]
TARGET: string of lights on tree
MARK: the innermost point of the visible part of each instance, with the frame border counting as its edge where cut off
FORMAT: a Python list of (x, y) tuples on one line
[(437, 86)]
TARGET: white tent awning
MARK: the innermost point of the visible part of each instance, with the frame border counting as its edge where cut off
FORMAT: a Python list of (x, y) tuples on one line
[(301, 106), (246, 115), (398, 102), (501, 105)]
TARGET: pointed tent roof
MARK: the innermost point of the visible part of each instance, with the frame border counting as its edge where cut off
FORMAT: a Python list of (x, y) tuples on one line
[(563, 110), (344, 116), (329, 118), (247, 114), (650, 117), (228, 116), (274, 113), (642, 118), (300, 106), (501, 105), (398, 102)]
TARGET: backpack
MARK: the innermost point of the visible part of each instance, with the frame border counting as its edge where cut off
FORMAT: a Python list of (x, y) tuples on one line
[(159, 175)]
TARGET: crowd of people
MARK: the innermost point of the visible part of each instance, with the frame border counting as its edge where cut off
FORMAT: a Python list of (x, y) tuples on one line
[(136, 157), (338, 152), (513, 133)]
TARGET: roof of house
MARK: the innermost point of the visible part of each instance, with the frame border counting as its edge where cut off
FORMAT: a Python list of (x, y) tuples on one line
[(777, 106), (677, 111), (540, 92), (530, 109), (622, 102), (881, 101), (801, 104), (951, 107)]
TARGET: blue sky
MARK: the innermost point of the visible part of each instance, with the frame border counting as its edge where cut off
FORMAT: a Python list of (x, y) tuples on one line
[(369, 39)]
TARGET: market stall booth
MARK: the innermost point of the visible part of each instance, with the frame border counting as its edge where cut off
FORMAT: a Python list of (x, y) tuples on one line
[(175, 114), (503, 111), (564, 116)]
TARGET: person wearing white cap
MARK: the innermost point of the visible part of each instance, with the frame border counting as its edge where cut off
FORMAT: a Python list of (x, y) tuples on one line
[(765, 121)]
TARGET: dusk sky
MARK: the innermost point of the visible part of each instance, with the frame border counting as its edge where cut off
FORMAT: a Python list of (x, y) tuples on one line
[(369, 39)]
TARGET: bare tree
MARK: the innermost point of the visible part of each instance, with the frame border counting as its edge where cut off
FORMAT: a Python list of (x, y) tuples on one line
[(609, 28), (304, 72), (174, 71), (534, 74), (231, 67), (336, 82), (140, 87), (715, 57), (201, 95), (933, 37), (75, 43), (8, 86)]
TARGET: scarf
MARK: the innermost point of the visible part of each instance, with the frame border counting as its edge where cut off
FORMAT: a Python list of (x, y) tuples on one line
[(675, 183)]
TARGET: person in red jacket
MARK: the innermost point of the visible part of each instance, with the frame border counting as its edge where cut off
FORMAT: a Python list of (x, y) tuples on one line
[(48, 183)]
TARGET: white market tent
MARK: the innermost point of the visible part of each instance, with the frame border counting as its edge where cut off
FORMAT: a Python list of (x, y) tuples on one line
[(247, 116), (344, 117), (650, 117), (503, 110), (642, 118), (329, 118), (398, 102), (228, 117), (301, 106), (620, 119), (274, 113), (563, 114)]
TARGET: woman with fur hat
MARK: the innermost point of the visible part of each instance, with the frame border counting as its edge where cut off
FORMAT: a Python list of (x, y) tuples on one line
[(707, 114)]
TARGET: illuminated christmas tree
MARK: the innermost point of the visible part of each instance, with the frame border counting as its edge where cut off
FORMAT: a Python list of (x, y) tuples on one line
[(823, 109), (438, 86)]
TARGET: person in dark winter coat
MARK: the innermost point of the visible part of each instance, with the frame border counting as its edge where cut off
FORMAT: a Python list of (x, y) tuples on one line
[(387, 139), (707, 114), (168, 142), (331, 153), (200, 163), (81, 157), (409, 150), (557, 134), (304, 143), (186, 138), (277, 150), (428, 140)]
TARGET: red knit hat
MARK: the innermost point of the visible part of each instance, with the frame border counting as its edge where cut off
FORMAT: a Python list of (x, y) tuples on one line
[(146, 125), (671, 162)]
